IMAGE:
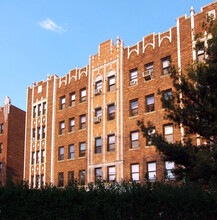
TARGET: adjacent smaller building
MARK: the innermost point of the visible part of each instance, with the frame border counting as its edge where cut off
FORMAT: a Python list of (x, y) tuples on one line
[(12, 133)]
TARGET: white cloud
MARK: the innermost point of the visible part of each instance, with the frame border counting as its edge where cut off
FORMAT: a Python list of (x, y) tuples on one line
[(51, 25)]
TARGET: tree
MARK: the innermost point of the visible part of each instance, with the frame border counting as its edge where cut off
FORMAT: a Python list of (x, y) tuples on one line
[(194, 106)]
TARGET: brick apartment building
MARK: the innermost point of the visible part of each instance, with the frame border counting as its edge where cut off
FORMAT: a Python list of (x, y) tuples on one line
[(84, 125), (12, 136)]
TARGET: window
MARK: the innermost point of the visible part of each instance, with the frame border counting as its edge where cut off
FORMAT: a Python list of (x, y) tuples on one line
[(32, 182), (98, 87), (39, 109), (70, 176), (33, 158), (98, 174), (134, 107), (200, 55), (43, 131), (111, 112), (83, 95), (150, 103), (42, 156), (37, 157), (150, 134), (168, 133), (37, 182), (44, 108), (62, 102), (0, 168), (166, 65), (82, 149), (111, 83), (111, 142), (169, 166), (1, 128), (167, 97), (34, 111), (135, 172), (152, 171), (98, 145), (133, 77), (149, 71), (39, 133), (33, 133), (134, 137), (82, 121), (111, 173), (42, 180), (61, 153), (98, 112), (71, 151), (62, 127), (1, 146), (60, 179), (72, 99), (82, 177), (71, 124)]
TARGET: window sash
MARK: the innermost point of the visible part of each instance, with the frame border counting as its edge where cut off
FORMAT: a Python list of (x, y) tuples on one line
[(111, 80), (134, 136), (133, 75), (82, 177), (166, 63), (168, 129), (98, 112), (98, 174), (99, 85), (149, 67), (83, 93), (71, 151)]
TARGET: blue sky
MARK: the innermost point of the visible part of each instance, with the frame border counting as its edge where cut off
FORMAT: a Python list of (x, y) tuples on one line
[(40, 37)]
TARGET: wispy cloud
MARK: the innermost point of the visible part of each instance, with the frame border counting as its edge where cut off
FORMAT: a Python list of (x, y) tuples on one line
[(51, 25)]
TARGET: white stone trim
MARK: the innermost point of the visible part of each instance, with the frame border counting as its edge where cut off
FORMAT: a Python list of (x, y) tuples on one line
[(53, 131), (89, 124), (129, 52), (180, 72), (148, 44), (165, 37), (121, 100), (117, 108)]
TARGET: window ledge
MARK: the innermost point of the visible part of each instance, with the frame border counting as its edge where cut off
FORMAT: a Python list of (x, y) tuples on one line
[(60, 110), (81, 157), (147, 113), (111, 120), (148, 146), (71, 132), (111, 151), (61, 135), (60, 161), (165, 75), (70, 159), (146, 81), (82, 102), (134, 148), (81, 129), (135, 116), (71, 106), (130, 86)]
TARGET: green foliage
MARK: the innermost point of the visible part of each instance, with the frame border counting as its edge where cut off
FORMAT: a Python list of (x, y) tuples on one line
[(114, 201)]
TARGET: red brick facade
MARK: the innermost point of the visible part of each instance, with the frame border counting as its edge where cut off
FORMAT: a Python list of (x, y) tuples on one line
[(12, 135), (88, 129)]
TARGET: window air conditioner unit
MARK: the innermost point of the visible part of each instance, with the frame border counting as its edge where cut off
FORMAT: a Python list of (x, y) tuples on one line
[(148, 75), (97, 120), (97, 91), (133, 82)]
